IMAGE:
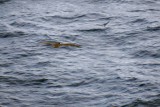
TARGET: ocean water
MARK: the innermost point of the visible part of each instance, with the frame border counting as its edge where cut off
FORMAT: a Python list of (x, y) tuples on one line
[(117, 65)]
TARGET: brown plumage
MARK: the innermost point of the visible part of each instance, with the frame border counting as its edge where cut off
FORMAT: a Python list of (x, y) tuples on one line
[(58, 44)]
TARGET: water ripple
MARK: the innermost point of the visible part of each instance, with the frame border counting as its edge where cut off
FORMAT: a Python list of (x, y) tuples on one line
[(11, 34), (153, 29), (143, 103), (3, 1), (116, 66), (146, 54), (24, 82)]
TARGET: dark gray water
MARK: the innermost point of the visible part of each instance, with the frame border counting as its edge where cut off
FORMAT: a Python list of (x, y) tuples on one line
[(118, 65)]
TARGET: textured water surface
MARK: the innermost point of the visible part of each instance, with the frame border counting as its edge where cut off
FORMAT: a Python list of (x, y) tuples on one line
[(118, 64)]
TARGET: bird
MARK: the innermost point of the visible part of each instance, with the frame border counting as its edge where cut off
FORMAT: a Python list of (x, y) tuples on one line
[(58, 44)]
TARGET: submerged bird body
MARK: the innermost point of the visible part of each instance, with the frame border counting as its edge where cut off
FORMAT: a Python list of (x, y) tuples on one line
[(58, 44)]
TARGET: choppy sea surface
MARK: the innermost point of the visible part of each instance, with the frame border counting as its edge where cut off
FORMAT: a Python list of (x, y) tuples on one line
[(118, 64)]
